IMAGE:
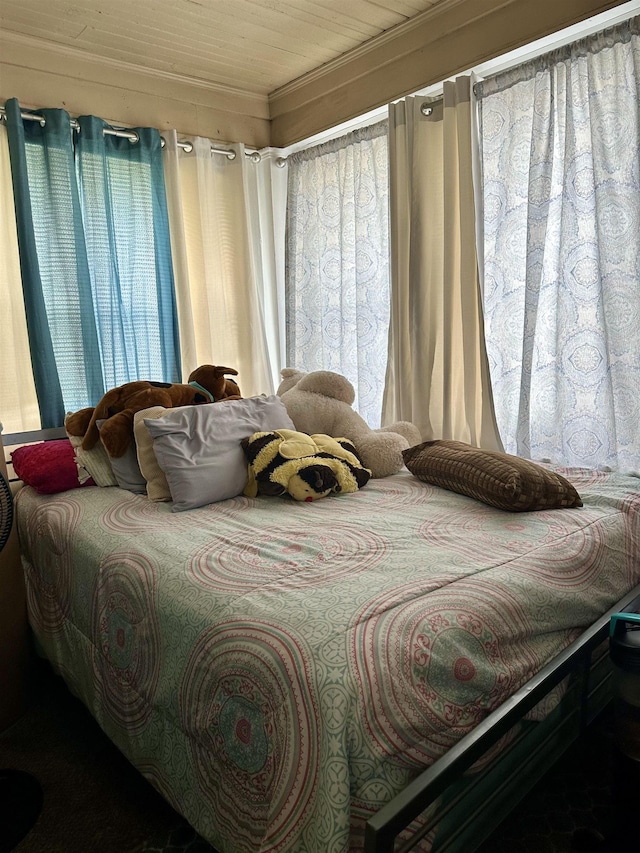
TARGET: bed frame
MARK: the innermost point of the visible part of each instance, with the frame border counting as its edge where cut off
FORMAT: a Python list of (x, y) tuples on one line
[(477, 804), (473, 805), (9, 441)]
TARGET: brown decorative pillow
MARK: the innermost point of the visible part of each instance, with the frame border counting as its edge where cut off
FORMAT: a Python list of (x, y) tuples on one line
[(498, 479)]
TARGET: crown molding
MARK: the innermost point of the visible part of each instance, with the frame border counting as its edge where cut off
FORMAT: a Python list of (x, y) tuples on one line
[(397, 34), (445, 40), (75, 53)]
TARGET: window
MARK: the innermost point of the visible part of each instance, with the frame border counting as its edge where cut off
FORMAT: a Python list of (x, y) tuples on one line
[(560, 153), (337, 278)]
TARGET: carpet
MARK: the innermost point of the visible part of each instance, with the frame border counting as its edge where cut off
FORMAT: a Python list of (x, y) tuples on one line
[(94, 801), (20, 806)]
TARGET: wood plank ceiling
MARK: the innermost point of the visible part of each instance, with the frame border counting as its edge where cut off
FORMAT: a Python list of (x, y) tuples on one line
[(255, 46)]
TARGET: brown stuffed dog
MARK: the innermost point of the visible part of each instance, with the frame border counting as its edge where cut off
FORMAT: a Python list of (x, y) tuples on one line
[(212, 379), (207, 384)]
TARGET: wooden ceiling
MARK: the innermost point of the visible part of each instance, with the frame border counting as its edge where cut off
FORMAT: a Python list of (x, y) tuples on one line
[(268, 72), (255, 46)]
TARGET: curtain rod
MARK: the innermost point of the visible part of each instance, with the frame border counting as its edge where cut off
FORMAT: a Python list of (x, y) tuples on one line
[(133, 137)]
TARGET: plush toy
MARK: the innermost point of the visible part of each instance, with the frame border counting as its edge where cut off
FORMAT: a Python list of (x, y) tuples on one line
[(307, 467), (321, 401), (212, 379), (207, 384)]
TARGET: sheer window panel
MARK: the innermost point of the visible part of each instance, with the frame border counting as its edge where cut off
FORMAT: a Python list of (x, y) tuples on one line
[(560, 156), (18, 402), (337, 271)]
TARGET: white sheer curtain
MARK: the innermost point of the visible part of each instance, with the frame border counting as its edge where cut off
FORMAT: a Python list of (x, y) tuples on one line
[(337, 279), (561, 182), (266, 185), (224, 261), (18, 402), (437, 371)]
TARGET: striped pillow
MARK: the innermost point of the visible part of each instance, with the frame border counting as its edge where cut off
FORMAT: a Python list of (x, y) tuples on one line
[(498, 479), (92, 463)]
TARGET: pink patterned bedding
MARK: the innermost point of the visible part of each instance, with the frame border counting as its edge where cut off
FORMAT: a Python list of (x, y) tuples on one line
[(280, 670)]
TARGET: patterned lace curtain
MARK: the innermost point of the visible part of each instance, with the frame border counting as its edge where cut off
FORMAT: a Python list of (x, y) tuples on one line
[(560, 161), (337, 273)]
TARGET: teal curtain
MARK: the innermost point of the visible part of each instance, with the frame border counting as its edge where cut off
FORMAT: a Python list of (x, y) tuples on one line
[(95, 257)]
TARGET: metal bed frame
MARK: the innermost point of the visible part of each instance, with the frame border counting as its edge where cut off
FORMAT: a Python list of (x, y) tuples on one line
[(590, 681), (593, 695), (14, 439)]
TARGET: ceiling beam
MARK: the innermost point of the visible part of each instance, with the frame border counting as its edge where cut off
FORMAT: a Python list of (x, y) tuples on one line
[(433, 46)]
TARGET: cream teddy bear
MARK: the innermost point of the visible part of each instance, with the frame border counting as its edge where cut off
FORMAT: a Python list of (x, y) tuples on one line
[(321, 402)]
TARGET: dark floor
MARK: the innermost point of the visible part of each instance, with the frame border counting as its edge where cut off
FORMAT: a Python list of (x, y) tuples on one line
[(58, 743), (575, 795)]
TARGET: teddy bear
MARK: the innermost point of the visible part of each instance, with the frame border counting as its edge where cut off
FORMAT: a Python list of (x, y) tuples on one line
[(306, 467), (206, 384), (321, 401)]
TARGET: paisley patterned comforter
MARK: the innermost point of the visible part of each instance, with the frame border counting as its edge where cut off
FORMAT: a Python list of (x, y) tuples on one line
[(279, 670)]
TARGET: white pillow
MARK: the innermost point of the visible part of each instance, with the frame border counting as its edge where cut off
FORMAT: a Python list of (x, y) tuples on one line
[(126, 469), (92, 463), (199, 450), (157, 486)]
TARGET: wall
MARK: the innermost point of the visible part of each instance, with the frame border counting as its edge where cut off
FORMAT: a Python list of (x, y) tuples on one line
[(13, 627), (431, 47), (49, 76)]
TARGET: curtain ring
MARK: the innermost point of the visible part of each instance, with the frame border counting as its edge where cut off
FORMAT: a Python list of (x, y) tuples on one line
[(426, 109)]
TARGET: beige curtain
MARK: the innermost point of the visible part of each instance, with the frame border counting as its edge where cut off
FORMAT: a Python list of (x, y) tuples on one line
[(220, 308), (18, 401), (437, 370)]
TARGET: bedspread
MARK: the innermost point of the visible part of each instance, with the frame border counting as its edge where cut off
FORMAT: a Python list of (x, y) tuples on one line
[(279, 670)]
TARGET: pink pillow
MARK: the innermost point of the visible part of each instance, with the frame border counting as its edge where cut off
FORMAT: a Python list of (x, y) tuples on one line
[(49, 466)]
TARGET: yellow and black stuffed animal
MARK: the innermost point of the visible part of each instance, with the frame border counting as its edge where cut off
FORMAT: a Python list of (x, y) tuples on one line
[(307, 467), (207, 384)]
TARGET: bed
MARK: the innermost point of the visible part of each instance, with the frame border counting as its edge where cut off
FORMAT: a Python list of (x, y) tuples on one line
[(355, 672)]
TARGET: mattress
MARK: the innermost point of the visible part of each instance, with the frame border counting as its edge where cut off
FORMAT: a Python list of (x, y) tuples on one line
[(279, 670)]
